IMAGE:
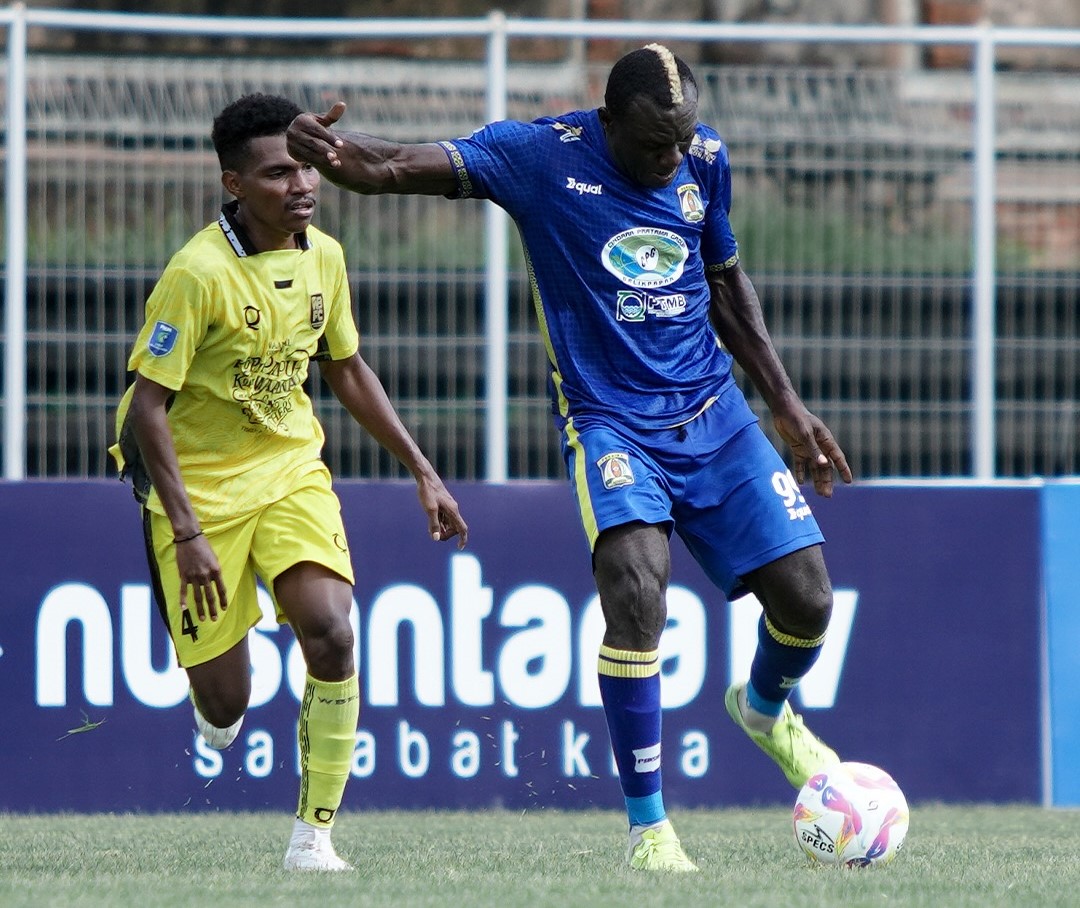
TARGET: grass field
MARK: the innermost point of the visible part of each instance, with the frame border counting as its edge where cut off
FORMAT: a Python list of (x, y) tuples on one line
[(954, 856)]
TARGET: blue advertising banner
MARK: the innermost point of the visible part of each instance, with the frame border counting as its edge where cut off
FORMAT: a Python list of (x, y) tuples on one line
[(1061, 532), (478, 667)]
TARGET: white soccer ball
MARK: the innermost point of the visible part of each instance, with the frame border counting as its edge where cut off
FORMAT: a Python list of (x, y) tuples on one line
[(851, 814)]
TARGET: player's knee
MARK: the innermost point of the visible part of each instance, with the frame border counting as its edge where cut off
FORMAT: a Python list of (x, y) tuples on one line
[(817, 612), (810, 612), (328, 651), (222, 707)]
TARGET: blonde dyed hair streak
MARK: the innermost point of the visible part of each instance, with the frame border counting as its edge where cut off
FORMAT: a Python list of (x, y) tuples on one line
[(671, 69)]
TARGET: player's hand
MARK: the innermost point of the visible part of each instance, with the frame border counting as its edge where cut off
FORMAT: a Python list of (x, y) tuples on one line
[(444, 519), (816, 451), (198, 567), (310, 139)]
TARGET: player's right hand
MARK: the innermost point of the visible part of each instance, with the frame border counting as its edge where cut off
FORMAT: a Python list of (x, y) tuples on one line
[(199, 568), (310, 139)]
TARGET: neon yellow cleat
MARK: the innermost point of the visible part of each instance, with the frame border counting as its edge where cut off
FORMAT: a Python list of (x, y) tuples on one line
[(796, 749), (657, 848)]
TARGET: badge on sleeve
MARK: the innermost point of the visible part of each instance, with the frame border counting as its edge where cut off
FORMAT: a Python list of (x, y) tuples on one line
[(162, 339)]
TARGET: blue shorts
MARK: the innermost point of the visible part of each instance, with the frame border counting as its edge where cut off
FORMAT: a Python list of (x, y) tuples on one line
[(717, 481)]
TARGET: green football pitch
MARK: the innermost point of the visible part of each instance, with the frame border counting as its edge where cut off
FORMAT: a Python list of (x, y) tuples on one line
[(954, 856)]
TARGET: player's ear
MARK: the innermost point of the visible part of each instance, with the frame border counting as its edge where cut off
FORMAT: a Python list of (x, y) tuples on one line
[(605, 117), (230, 179)]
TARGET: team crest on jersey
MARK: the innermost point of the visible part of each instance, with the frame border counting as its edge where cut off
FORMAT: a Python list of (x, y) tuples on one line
[(645, 256), (568, 133), (318, 311), (690, 202), (615, 470), (162, 339)]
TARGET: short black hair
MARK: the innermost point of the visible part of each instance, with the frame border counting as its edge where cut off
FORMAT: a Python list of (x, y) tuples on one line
[(646, 71), (250, 117)]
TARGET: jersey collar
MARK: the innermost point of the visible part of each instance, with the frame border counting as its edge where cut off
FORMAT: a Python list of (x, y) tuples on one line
[(238, 237)]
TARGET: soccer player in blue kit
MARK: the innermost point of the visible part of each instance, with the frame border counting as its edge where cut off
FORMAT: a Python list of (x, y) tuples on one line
[(642, 304)]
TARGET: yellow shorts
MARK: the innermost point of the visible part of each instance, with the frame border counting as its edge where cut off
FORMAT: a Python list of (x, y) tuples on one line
[(305, 525)]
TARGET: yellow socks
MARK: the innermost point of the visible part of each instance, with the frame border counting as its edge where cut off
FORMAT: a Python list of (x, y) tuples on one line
[(327, 734)]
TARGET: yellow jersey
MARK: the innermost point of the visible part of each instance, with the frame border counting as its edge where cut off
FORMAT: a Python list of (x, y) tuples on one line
[(233, 332)]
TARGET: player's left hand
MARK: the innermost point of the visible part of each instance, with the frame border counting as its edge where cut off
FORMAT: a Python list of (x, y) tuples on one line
[(444, 519), (816, 451)]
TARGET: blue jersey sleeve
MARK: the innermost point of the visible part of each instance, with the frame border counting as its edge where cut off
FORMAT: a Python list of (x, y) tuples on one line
[(719, 249), (496, 163)]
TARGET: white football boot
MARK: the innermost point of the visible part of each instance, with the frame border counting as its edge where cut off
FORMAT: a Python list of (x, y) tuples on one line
[(217, 738), (310, 848)]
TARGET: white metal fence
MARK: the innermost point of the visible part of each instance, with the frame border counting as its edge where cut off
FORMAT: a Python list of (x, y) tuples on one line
[(915, 237)]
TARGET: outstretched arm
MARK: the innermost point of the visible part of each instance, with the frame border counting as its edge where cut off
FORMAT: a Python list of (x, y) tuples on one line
[(362, 394), (736, 315), (366, 164)]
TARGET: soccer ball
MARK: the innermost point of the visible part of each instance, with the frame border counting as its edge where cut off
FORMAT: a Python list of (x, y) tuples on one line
[(851, 814)]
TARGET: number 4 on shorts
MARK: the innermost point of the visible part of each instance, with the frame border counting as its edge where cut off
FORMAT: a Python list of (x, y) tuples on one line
[(188, 626)]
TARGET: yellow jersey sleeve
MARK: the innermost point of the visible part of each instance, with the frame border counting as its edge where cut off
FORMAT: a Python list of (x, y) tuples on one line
[(340, 340), (178, 312)]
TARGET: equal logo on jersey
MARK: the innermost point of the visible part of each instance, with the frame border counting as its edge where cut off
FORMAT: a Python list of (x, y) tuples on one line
[(615, 470), (690, 202), (645, 256), (318, 311), (162, 339), (582, 188)]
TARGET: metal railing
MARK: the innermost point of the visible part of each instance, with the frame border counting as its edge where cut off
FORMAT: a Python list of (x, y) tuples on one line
[(498, 31)]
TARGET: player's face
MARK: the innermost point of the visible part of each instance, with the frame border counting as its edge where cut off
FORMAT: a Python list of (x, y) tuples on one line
[(649, 143), (277, 195)]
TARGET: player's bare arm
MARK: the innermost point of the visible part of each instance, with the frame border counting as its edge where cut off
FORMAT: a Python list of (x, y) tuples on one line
[(362, 394), (195, 559), (366, 164), (736, 315)]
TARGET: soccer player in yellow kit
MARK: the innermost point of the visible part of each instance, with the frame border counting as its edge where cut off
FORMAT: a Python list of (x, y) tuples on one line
[(224, 451)]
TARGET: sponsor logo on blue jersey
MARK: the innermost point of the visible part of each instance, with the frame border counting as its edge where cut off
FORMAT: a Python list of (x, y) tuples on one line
[(568, 133), (634, 305), (162, 339), (584, 188), (645, 257), (706, 149)]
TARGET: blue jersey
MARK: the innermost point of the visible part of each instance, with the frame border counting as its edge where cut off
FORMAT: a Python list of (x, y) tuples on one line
[(617, 269)]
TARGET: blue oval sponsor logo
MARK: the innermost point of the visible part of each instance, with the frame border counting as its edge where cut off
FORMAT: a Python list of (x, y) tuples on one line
[(645, 256)]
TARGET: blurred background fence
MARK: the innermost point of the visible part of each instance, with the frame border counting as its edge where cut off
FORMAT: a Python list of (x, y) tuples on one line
[(922, 288)]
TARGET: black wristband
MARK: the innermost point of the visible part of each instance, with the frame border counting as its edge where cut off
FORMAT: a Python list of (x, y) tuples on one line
[(187, 538)]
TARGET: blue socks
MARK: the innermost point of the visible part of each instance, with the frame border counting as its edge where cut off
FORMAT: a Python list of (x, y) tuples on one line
[(630, 690), (779, 663)]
